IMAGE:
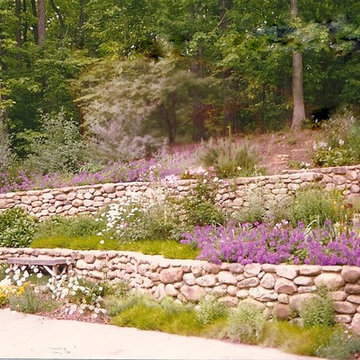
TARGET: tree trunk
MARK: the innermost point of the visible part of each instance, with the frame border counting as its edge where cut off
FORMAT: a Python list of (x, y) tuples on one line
[(224, 5), (297, 81), (25, 28), (80, 41), (41, 21), (35, 24), (18, 30), (297, 91), (61, 19)]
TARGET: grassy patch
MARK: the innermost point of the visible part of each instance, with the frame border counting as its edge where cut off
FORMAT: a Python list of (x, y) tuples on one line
[(168, 248), (165, 316), (143, 313), (297, 340)]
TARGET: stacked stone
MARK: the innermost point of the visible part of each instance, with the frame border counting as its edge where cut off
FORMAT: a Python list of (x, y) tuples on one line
[(280, 289), (231, 194)]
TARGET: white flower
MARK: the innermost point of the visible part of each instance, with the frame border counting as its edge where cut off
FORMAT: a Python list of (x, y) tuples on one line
[(39, 275), (102, 242), (341, 142)]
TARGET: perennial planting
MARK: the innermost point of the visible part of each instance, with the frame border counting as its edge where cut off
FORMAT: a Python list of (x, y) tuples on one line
[(264, 243)]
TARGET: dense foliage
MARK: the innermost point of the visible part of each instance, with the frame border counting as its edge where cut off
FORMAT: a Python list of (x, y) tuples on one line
[(122, 77)]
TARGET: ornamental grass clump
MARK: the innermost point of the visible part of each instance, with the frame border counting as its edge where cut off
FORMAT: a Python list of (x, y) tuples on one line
[(264, 243), (209, 310), (230, 159), (247, 324), (318, 310)]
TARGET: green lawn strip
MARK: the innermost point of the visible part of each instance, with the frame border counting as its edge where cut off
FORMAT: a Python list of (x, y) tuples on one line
[(168, 248)]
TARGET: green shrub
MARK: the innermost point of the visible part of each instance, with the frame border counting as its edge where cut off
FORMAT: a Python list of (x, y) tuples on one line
[(58, 147), (315, 205), (210, 310), (30, 302), (199, 207), (247, 324), (17, 228), (255, 212), (341, 345), (342, 145), (338, 156), (140, 220), (318, 310), (231, 159)]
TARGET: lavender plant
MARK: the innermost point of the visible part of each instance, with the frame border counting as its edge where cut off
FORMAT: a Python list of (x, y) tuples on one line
[(263, 243)]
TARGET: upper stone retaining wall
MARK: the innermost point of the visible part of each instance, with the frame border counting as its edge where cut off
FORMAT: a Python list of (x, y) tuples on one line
[(232, 194), (278, 288)]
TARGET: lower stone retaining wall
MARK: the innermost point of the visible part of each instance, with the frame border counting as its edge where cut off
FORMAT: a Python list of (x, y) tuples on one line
[(278, 288)]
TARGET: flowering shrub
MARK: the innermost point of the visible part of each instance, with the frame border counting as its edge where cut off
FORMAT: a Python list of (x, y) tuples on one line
[(17, 228), (85, 295), (74, 292), (140, 170), (140, 220), (264, 243), (342, 144)]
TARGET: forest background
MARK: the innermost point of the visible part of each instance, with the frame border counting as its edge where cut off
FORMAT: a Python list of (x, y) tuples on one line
[(114, 80)]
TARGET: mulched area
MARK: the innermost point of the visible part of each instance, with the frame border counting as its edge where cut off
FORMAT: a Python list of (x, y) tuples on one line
[(63, 313)]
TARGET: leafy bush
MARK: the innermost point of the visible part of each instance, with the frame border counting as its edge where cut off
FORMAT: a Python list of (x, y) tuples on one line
[(318, 310), (315, 205), (59, 148), (342, 146), (247, 324), (230, 159), (17, 228), (328, 156), (209, 310), (199, 207), (140, 220), (255, 212), (341, 345)]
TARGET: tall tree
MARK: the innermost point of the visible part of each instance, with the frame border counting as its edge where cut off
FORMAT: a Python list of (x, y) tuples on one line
[(18, 29), (60, 18), (41, 21), (297, 80)]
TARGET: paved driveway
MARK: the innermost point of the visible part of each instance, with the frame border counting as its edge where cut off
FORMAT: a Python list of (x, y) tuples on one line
[(23, 336)]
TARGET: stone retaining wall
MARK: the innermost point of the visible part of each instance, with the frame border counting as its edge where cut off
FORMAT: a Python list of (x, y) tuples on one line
[(279, 288), (231, 194)]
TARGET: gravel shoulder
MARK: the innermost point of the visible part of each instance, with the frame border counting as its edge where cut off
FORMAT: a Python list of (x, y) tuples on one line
[(32, 336)]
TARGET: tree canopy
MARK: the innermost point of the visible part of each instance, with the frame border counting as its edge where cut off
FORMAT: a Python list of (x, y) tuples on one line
[(127, 70)]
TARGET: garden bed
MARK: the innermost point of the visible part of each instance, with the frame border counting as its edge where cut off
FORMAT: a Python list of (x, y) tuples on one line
[(313, 332)]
